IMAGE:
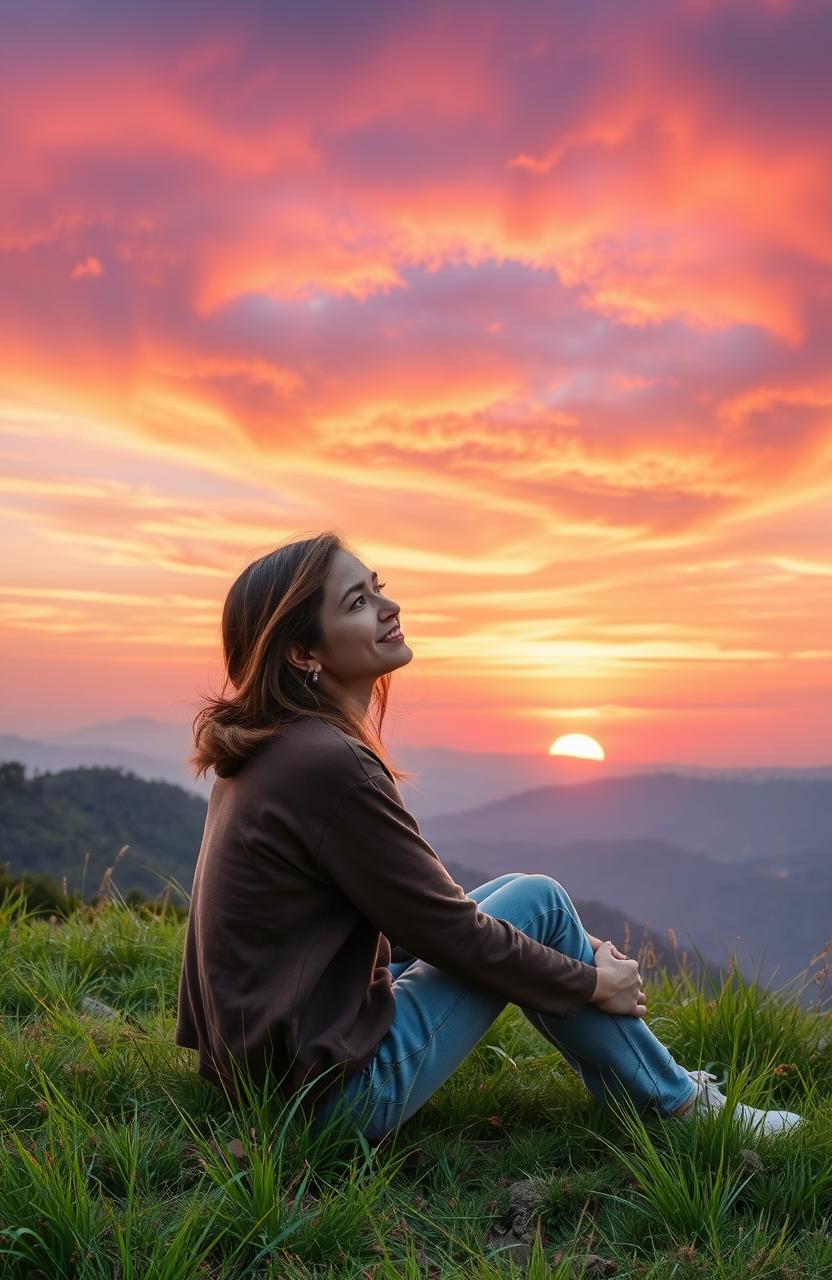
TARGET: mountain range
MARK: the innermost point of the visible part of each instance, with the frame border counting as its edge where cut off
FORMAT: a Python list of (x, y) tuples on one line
[(448, 779)]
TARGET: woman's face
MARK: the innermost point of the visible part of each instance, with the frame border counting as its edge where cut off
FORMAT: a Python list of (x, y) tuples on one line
[(355, 616)]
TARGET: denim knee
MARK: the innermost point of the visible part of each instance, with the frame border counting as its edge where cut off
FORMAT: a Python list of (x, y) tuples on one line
[(548, 894), (543, 884)]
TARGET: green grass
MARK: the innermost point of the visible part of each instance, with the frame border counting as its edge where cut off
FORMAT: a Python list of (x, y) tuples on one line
[(117, 1160)]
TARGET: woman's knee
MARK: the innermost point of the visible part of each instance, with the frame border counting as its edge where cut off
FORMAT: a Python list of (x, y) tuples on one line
[(507, 878), (544, 884), (534, 889), (547, 889), (548, 909)]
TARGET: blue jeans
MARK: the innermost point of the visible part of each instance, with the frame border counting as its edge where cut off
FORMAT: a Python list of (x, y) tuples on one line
[(439, 1019)]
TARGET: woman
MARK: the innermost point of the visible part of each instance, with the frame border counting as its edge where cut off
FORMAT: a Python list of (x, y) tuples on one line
[(312, 870)]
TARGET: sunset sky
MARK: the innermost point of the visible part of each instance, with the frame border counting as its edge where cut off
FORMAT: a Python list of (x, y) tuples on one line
[(532, 302)]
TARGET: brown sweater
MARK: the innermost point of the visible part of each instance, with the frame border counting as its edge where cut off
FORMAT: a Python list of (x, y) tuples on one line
[(309, 865)]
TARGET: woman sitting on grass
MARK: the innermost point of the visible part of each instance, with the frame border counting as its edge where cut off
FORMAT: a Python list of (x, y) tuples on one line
[(311, 870)]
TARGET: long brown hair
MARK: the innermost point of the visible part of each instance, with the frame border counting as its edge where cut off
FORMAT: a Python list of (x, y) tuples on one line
[(275, 600)]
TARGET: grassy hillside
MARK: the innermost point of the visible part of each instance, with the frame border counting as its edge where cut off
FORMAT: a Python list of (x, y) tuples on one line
[(116, 1160)]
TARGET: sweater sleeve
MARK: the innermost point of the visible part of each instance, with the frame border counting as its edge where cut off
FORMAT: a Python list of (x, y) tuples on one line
[(373, 850)]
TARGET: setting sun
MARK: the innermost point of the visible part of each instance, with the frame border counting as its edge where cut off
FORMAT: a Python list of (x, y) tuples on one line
[(577, 744)]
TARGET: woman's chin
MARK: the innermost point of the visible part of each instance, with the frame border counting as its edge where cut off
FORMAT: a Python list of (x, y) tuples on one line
[(402, 653)]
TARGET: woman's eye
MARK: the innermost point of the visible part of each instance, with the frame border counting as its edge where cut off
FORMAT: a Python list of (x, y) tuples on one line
[(381, 587)]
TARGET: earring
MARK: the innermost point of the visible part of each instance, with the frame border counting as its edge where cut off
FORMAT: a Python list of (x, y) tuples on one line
[(314, 676)]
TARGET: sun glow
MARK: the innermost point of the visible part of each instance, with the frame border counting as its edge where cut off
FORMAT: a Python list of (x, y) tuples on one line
[(577, 744)]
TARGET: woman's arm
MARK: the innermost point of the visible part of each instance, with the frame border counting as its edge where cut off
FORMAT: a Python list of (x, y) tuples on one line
[(373, 850)]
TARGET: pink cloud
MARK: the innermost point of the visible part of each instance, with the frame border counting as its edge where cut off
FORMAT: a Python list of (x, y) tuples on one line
[(89, 267)]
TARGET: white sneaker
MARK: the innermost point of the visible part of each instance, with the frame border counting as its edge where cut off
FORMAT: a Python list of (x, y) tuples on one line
[(709, 1098)]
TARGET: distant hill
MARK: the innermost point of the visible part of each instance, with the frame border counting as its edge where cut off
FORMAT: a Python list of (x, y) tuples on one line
[(50, 823), (727, 819), (141, 759)]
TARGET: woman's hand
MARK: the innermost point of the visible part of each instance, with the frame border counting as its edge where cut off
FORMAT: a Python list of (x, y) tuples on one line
[(618, 989), (596, 943)]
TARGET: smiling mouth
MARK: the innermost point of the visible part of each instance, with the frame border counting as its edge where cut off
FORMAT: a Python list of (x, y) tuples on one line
[(392, 636)]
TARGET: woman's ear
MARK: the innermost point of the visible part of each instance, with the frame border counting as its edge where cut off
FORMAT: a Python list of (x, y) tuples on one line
[(297, 655)]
